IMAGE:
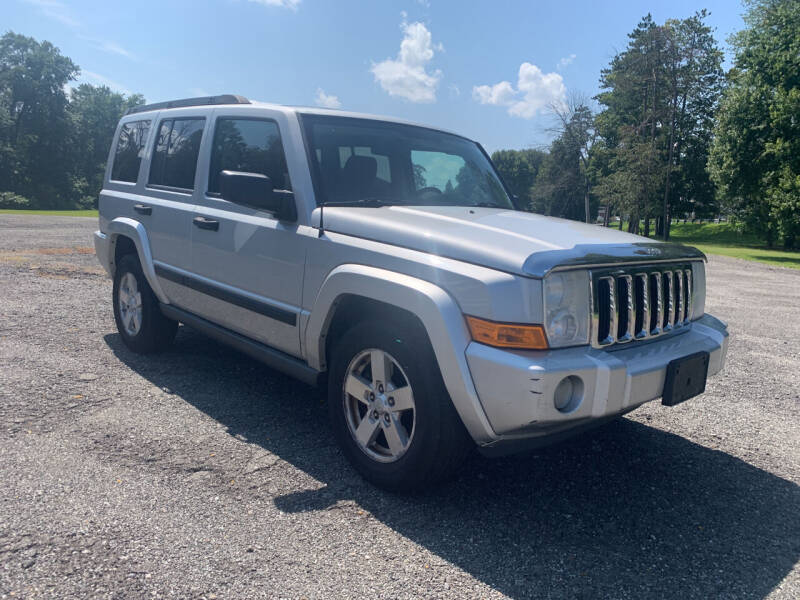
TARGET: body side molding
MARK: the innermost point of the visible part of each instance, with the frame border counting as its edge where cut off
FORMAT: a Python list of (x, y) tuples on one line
[(222, 293)]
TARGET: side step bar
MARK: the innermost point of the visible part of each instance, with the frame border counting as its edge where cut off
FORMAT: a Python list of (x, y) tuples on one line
[(275, 359)]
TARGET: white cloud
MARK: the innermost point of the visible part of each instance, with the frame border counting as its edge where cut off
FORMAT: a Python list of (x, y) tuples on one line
[(97, 79), (115, 48), (535, 91), (290, 4), (500, 94), (407, 76), (326, 100), (55, 10), (567, 60), (109, 46)]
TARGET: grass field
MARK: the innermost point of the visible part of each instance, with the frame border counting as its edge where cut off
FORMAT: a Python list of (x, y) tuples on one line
[(723, 238), (52, 213)]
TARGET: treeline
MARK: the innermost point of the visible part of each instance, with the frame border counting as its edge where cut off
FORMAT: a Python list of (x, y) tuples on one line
[(673, 136), (53, 142)]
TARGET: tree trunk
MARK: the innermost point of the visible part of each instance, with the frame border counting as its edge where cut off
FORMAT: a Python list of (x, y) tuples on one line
[(620, 221), (586, 202), (647, 227)]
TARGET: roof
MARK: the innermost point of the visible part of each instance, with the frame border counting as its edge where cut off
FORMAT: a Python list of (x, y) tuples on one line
[(236, 100)]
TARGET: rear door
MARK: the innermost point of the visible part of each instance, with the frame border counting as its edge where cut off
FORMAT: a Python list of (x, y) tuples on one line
[(170, 194), (138, 188), (248, 265)]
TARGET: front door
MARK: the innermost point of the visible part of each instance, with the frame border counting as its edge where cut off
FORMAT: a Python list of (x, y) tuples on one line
[(248, 264)]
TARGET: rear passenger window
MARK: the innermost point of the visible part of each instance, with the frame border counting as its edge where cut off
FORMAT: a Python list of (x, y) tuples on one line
[(175, 156), (129, 151), (250, 146)]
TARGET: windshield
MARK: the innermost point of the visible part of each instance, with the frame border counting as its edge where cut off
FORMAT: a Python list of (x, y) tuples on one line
[(360, 160)]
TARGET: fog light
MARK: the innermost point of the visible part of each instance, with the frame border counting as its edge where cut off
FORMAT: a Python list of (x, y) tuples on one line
[(568, 394)]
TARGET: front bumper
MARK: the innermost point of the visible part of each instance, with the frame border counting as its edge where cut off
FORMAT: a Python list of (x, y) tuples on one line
[(516, 389)]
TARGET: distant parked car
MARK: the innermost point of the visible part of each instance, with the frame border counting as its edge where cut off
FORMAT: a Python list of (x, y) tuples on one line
[(388, 262)]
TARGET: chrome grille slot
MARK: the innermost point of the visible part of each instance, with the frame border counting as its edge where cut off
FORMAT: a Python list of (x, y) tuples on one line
[(687, 292), (626, 309), (669, 302), (639, 302)]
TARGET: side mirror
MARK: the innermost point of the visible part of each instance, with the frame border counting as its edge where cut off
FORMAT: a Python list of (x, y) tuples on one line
[(256, 190)]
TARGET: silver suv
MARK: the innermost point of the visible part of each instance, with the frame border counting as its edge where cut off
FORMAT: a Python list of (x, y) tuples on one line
[(388, 262)]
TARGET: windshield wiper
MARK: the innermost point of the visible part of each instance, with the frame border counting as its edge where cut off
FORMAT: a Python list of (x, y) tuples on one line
[(488, 205), (368, 202)]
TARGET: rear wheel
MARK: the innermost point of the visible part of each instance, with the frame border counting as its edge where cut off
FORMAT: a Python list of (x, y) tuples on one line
[(136, 311), (389, 409)]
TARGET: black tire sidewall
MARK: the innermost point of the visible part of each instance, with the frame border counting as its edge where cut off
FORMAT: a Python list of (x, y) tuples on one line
[(144, 339), (416, 358)]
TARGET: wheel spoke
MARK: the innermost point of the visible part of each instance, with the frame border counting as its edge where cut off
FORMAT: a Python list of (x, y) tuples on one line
[(137, 301), (131, 317), (367, 431), (403, 398), (396, 435), (357, 388), (381, 367)]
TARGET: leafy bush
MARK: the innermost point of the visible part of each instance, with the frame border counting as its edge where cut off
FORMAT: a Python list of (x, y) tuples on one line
[(12, 200)]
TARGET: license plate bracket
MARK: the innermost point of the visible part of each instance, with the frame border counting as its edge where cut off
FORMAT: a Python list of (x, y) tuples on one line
[(686, 378)]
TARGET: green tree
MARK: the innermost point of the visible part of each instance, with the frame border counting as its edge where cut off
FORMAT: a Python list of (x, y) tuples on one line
[(662, 91), (519, 169), (559, 188), (34, 128), (575, 126), (94, 112), (755, 155)]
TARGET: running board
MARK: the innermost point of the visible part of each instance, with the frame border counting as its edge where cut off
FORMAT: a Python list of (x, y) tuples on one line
[(275, 359)]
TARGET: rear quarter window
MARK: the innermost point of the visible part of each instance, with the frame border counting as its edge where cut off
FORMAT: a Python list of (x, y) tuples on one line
[(129, 151)]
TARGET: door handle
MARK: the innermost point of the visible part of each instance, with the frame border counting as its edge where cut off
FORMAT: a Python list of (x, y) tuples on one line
[(143, 209), (204, 223)]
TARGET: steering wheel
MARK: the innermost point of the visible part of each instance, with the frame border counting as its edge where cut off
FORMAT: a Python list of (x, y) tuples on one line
[(429, 190)]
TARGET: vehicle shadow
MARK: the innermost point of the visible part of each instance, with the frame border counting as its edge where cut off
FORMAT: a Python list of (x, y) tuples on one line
[(625, 511)]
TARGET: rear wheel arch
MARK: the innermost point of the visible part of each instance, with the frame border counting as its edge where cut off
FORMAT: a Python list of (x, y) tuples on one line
[(122, 245), (129, 236)]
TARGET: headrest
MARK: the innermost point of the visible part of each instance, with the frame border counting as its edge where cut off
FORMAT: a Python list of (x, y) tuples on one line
[(361, 168)]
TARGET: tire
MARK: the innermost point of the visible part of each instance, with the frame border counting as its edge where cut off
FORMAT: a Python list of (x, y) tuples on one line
[(144, 331), (436, 441)]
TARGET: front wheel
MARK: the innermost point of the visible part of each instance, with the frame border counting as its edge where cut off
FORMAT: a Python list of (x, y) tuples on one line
[(389, 409)]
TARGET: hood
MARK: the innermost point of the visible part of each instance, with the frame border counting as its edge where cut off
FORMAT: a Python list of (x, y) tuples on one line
[(512, 241)]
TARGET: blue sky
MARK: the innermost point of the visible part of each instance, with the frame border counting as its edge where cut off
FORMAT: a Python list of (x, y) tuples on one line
[(486, 69)]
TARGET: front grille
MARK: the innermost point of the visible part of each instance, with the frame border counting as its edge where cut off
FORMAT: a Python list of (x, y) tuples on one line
[(637, 303)]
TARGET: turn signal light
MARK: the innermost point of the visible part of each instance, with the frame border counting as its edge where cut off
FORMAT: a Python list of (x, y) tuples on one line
[(507, 335)]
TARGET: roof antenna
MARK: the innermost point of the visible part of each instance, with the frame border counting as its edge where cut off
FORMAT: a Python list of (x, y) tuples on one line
[(321, 226)]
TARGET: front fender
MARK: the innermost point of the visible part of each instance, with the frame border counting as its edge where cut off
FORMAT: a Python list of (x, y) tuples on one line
[(434, 307), (130, 228)]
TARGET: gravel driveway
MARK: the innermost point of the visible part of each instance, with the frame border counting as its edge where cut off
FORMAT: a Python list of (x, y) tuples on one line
[(199, 473)]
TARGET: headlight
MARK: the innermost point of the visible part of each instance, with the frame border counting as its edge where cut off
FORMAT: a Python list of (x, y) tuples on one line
[(698, 290), (566, 308)]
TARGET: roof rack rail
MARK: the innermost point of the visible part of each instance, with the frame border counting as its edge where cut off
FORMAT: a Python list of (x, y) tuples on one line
[(200, 101)]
